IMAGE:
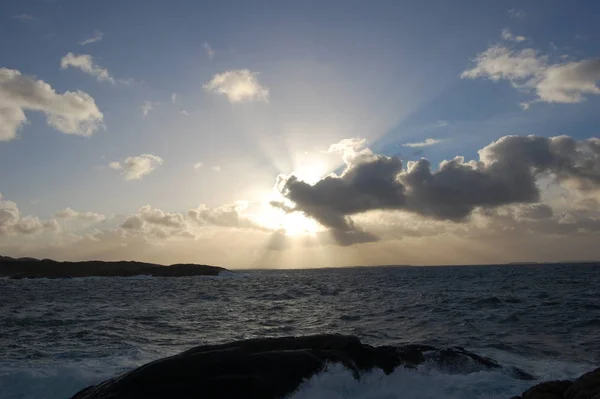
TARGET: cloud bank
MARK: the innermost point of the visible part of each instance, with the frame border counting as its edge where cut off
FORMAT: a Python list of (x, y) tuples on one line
[(506, 173), (12, 223), (533, 231)]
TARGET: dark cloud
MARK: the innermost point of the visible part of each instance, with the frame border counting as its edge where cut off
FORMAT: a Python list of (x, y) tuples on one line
[(536, 212), (352, 236), (563, 157), (368, 184), (279, 240), (506, 173)]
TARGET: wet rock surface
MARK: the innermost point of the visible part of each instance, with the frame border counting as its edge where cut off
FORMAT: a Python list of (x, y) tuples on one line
[(275, 367), (585, 387)]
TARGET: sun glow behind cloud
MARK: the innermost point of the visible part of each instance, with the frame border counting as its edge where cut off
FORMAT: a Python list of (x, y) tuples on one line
[(309, 167), (291, 224)]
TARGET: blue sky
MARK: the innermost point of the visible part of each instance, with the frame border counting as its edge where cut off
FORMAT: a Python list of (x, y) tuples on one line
[(389, 72)]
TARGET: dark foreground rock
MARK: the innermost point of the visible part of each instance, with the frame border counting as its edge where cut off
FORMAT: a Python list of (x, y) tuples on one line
[(275, 367), (585, 387), (47, 268)]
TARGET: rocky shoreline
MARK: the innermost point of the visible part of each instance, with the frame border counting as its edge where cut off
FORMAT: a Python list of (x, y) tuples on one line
[(275, 368), (19, 268)]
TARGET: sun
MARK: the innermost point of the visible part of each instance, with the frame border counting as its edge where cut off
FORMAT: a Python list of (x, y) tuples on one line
[(296, 224), (293, 224), (309, 169)]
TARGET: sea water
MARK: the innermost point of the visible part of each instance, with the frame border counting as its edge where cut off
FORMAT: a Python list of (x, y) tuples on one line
[(59, 336)]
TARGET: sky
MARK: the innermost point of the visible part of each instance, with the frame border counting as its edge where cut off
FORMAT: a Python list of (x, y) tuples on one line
[(279, 134)]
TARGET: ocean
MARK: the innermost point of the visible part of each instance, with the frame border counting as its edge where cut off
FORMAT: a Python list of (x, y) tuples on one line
[(59, 336)]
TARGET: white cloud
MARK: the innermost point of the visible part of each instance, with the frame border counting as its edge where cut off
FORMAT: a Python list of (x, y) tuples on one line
[(174, 98), (134, 168), (238, 85), (85, 62), (351, 149), (230, 215), (528, 70), (133, 222), (441, 124), (70, 112), (216, 168), (516, 14), (425, 143), (184, 112), (210, 53), (507, 35), (23, 17), (70, 214), (570, 82), (525, 105), (29, 225), (198, 165), (499, 62), (155, 216), (155, 223), (12, 223), (96, 37), (9, 214), (147, 106)]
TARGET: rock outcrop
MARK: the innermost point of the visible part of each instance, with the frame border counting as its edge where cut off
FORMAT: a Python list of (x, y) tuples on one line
[(275, 367), (585, 387), (47, 268)]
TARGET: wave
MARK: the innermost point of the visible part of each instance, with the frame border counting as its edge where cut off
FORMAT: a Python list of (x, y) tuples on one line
[(48, 382), (428, 381), (423, 383)]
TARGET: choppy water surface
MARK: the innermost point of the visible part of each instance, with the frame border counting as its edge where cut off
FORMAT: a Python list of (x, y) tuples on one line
[(58, 336)]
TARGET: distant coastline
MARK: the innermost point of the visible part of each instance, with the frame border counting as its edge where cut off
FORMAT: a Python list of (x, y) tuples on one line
[(27, 267), (18, 268)]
